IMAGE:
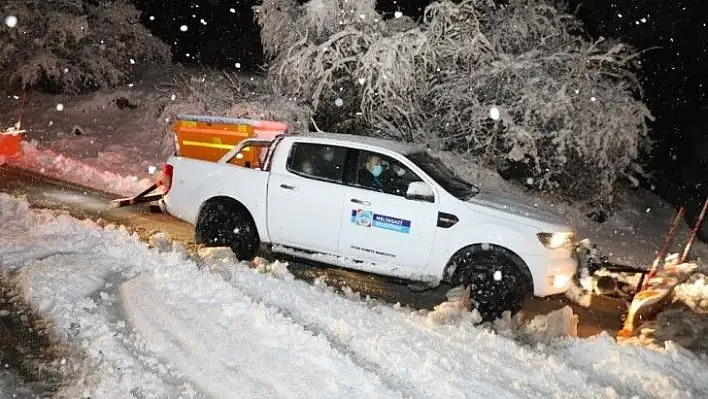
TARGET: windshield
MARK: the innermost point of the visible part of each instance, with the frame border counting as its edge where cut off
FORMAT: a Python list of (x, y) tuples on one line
[(445, 177)]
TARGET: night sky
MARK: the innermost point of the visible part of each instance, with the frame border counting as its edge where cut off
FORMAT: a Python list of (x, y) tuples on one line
[(222, 33)]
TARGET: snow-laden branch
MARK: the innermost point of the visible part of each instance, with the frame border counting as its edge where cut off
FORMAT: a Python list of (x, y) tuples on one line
[(571, 116), (73, 45)]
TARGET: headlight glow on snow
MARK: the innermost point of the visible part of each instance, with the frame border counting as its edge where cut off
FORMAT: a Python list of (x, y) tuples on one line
[(556, 240)]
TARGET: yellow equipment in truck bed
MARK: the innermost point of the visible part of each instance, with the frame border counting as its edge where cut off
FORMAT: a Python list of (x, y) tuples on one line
[(210, 137)]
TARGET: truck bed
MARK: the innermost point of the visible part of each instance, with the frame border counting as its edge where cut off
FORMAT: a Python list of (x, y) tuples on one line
[(194, 181)]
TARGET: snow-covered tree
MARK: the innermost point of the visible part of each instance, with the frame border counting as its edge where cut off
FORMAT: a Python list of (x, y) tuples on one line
[(514, 83), (72, 45)]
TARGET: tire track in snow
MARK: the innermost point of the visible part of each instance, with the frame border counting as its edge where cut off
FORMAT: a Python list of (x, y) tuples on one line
[(448, 360), (238, 343), (377, 350), (111, 306)]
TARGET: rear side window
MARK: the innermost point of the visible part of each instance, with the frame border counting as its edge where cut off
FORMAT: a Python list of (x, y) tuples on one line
[(317, 161)]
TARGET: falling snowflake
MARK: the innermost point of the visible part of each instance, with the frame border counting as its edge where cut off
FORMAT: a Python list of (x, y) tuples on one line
[(593, 99), (11, 21), (132, 61), (232, 10), (152, 18), (60, 107), (362, 81), (183, 28), (151, 169), (339, 102), (529, 181), (494, 113), (238, 65), (173, 97), (397, 14)]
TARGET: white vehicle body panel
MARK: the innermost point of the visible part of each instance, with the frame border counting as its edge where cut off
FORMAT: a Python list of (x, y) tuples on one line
[(302, 212), (379, 233), (195, 181), (379, 230)]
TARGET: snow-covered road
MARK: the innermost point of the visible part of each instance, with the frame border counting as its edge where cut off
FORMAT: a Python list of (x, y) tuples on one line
[(152, 322)]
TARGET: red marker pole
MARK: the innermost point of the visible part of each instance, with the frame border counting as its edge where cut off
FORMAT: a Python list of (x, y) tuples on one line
[(697, 226)]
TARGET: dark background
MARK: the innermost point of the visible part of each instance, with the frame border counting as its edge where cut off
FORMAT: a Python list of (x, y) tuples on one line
[(674, 76)]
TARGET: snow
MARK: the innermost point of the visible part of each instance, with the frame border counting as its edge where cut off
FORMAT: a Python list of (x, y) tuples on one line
[(56, 165), (153, 320), (494, 113), (11, 21), (694, 293)]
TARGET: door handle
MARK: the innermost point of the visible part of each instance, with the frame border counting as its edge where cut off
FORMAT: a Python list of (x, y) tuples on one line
[(287, 187), (360, 202)]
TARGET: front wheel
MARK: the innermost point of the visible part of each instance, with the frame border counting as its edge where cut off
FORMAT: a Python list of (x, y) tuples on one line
[(223, 223), (495, 277)]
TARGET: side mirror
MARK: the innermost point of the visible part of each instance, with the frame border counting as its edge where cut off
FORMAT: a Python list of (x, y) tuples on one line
[(421, 191)]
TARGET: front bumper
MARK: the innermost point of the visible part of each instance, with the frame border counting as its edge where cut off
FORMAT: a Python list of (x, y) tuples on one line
[(552, 275)]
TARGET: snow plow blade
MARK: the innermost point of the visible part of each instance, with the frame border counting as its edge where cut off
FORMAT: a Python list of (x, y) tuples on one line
[(141, 198), (657, 295), (11, 144), (655, 288)]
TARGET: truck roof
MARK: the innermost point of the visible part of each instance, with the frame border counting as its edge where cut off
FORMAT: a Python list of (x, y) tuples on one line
[(360, 141)]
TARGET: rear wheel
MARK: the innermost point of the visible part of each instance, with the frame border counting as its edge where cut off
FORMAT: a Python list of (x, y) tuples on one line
[(499, 279), (227, 223)]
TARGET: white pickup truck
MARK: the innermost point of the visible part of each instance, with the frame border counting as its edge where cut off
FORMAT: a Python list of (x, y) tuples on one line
[(376, 206)]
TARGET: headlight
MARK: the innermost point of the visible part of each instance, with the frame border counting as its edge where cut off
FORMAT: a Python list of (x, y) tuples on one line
[(556, 240)]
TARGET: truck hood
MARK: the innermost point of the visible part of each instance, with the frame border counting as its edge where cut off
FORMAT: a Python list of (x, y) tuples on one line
[(519, 207)]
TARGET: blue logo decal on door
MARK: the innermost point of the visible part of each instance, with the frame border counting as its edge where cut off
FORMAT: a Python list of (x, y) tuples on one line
[(365, 218)]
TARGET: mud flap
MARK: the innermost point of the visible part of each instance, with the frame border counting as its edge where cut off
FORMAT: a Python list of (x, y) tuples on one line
[(141, 198)]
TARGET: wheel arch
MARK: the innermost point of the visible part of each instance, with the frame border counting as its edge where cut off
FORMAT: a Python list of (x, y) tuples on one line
[(480, 249), (226, 201)]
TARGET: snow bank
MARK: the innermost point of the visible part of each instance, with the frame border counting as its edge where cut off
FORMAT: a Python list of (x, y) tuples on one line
[(184, 327), (694, 293), (155, 324), (392, 340), (59, 166)]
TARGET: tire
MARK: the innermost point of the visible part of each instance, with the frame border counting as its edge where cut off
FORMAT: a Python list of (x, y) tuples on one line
[(499, 279), (226, 223)]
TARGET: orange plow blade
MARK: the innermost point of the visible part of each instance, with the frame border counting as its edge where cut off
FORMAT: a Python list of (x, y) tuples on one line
[(11, 144)]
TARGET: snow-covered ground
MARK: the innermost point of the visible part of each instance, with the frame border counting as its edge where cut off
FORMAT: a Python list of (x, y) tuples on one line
[(153, 321)]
